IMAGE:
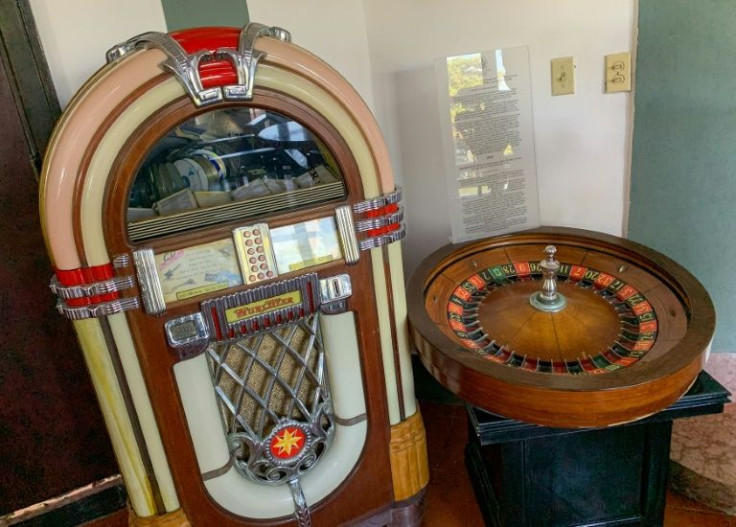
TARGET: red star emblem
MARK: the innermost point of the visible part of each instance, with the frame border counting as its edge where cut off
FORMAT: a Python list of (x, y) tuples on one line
[(287, 443)]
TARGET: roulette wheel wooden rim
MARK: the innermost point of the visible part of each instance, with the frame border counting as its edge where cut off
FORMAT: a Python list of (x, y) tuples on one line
[(570, 401)]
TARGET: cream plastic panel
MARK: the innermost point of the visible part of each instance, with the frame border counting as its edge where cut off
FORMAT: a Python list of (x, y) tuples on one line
[(112, 403), (210, 446), (203, 416), (343, 364)]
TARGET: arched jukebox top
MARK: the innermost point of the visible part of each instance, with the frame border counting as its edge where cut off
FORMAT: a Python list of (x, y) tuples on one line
[(186, 162), (220, 210)]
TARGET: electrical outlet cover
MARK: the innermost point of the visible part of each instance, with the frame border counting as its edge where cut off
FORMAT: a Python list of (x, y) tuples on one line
[(618, 72)]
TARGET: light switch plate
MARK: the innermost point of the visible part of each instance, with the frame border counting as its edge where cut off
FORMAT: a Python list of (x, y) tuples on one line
[(563, 76), (618, 72)]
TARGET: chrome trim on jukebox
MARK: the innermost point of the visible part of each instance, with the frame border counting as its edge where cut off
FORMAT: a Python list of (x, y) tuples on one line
[(195, 327), (263, 308), (302, 515), (377, 203), (245, 70), (121, 261), (253, 30), (384, 221), (102, 309), (148, 282), (348, 239), (188, 335), (335, 290), (380, 221), (190, 79), (186, 67), (383, 239), (112, 285), (246, 58)]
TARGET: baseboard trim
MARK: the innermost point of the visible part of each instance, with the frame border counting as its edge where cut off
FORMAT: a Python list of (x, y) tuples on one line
[(78, 506)]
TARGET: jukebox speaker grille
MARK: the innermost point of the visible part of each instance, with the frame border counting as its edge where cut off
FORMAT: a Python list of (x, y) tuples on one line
[(274, 398)]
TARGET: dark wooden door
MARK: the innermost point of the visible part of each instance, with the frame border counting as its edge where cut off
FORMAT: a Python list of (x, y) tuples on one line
[(52, 437)]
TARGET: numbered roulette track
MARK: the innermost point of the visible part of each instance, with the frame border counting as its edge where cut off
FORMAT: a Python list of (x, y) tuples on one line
[(631, 339)]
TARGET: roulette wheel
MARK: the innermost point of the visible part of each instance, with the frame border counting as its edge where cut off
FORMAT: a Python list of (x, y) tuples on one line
[(597, 331), (572, 350)]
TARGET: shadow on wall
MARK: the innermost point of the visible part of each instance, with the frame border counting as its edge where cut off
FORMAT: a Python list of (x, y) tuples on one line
[(420, 167)]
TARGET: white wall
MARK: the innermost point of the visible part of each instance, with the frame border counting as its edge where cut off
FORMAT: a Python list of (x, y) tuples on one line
[(334, 30), (582, 140), (75, 34)]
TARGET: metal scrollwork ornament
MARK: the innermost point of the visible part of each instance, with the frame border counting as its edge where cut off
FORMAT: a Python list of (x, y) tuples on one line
[(186, 67)]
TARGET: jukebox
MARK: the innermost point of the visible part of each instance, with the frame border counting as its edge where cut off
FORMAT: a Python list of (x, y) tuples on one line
[(220, 211)]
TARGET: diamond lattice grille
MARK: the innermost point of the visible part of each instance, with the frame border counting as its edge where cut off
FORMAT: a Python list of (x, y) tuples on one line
[(267, 379)]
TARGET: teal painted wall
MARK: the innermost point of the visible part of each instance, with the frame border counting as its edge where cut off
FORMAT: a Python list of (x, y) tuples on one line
[(182, 14), (683, 174)]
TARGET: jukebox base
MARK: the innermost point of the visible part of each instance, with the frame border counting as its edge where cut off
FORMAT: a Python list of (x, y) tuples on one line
[(529, 475), (408, 513)]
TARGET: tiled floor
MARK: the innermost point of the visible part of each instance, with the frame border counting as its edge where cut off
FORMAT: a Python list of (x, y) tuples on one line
[(682, 512), (450, 498), (704, 447)]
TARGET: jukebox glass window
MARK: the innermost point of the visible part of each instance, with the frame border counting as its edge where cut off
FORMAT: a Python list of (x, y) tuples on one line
[(229, 164)]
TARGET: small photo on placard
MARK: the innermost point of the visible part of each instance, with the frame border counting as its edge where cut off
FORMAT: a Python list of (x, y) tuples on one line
[(306, 244)]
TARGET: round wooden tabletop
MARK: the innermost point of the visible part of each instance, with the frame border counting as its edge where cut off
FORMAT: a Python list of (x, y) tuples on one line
[(630, 340)]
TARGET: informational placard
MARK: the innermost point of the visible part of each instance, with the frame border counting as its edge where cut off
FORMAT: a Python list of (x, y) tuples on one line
[(488, 141)]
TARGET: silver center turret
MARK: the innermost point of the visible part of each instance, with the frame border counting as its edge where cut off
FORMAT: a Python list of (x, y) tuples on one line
[(548, 299)]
